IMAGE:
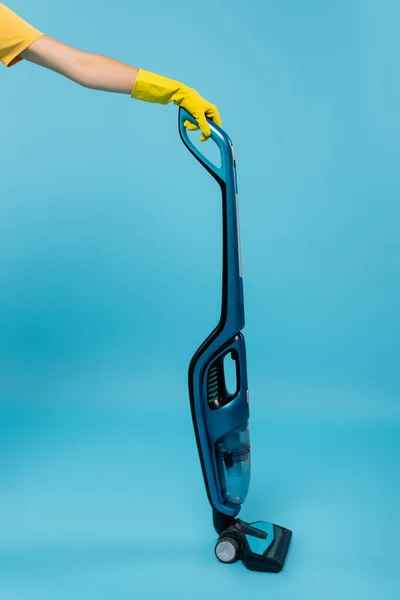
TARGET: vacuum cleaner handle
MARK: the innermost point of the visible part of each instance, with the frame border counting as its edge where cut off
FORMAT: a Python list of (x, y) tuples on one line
[(225, 175), (218, 135)]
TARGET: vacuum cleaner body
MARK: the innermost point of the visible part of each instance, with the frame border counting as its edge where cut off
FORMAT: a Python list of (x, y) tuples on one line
[(220, 417)]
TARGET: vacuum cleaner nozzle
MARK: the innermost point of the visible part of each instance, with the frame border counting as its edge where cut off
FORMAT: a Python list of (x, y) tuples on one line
[(261, 546)]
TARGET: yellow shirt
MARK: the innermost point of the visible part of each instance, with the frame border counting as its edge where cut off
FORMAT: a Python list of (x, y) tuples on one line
[(15, 35)]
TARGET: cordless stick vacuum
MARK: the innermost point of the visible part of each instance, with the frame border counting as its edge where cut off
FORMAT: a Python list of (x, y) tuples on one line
[(220, 417)]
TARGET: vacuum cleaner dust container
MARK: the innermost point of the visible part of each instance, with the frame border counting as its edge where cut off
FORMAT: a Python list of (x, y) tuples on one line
[(233, 458)]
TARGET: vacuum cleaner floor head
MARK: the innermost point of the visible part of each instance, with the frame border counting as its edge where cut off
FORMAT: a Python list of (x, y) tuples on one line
[(261, 546)]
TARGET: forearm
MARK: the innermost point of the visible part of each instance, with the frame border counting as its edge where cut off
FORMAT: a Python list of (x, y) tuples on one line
[(103, 73), (89, 70)]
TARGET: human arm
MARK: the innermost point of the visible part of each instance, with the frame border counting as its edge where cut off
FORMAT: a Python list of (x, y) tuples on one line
[(20, 40), (89, 70), (99, 72)]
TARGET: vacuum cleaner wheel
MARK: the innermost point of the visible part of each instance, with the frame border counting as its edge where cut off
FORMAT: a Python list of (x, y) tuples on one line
[(227, 550)]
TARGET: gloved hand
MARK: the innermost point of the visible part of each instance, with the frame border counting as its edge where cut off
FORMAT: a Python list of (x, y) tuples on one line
[(156, 88)]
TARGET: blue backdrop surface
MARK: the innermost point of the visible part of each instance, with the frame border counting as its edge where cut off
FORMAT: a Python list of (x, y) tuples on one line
[(110, 278)]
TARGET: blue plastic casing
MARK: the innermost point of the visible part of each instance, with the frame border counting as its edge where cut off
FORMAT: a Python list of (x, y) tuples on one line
[(213, 419)]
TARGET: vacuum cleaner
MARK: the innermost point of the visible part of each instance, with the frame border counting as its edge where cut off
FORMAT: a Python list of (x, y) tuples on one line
[(220, 417)]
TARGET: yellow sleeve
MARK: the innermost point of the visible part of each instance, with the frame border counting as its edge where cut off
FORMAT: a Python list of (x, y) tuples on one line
[(15, 36)]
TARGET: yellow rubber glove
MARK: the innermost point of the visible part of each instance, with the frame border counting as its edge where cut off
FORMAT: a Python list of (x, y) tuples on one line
[(161, 90)]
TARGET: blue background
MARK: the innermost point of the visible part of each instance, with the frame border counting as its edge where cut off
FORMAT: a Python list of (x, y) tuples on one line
[(110, 278)]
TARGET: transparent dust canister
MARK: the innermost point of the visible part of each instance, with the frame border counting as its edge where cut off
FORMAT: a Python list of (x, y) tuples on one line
[(233, 459)]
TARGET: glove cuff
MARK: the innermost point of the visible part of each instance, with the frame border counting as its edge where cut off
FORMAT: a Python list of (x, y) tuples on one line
[(150, 87)]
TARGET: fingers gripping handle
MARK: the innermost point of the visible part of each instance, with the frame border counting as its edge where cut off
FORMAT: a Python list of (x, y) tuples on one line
[(218, 136)]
